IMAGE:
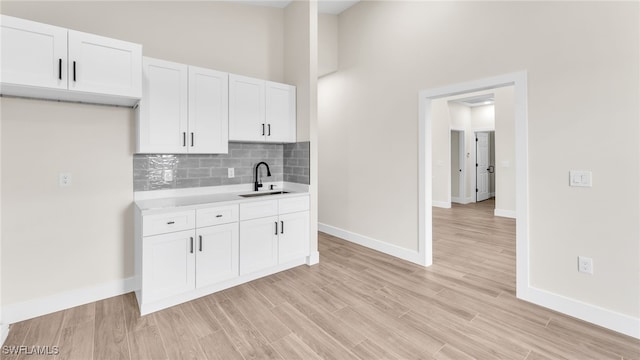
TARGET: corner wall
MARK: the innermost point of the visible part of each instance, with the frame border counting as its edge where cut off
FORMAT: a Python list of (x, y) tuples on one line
[(301, 69)]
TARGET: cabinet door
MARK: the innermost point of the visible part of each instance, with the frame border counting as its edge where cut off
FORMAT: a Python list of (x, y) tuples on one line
[(162, 122), (258, 244), (246, 109), (217, 254), (208, 111), (105, 66), (280, 112), (294, 236), (168, 265), (33, 54)]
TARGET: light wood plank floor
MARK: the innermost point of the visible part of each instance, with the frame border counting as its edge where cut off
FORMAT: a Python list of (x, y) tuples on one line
[(356, 304)]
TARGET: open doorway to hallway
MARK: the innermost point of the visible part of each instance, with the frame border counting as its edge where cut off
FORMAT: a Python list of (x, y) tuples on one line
[(473, 147)]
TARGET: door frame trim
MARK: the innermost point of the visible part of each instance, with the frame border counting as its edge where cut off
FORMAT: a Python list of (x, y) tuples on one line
[(425, 171), (462, 163)]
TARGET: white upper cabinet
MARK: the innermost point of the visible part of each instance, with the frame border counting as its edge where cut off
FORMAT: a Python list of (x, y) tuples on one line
[(184, 109), (102, 65), (208, 111), (280, 113), (33, 54), (163, 113), (246, 109), (261, 111), (45, 61)]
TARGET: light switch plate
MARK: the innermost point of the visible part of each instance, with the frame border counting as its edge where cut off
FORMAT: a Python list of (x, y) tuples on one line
[(580, 178), (231, 173)]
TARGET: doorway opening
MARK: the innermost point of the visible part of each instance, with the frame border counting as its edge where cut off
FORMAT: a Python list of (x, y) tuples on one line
[(520, 162)]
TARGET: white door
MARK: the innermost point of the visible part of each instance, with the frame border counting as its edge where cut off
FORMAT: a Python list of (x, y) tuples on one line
[(482, 166), (280, 115), (294, 236), (258, 244), (162, 123), (103, 65), (208, 111), (246, 109), (217, 254), (33, 54), (168, 264)]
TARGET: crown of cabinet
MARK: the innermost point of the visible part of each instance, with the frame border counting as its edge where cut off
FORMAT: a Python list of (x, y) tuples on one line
[(50, 62)]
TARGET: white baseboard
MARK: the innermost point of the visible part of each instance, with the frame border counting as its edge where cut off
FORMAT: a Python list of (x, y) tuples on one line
[(313, 258), (611, 320), (384, 247), (4, 332), (504, 213), (14, 313), (441, 204), (462, 200)]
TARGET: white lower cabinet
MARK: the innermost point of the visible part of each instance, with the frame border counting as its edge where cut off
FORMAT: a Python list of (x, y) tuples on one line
[(258, 244), (273, 232), (185, 254), (168, 265), (217, 254), (293, 240)]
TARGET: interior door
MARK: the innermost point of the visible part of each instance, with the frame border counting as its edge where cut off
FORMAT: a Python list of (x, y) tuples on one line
[(482, 166)]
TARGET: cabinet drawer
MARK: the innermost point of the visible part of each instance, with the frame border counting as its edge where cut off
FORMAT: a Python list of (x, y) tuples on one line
[(295, 204), (166, 223), (217, 215), (258, 209)]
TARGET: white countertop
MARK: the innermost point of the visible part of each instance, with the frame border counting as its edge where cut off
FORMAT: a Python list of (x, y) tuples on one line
[(213, 197)]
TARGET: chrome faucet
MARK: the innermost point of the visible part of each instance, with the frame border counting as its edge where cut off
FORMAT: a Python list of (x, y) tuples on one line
[(258, 182)]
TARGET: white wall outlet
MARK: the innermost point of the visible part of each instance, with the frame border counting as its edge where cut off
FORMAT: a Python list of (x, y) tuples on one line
[(585, 265), (64, 179), (580, 178), (167, 175), (231, 173)]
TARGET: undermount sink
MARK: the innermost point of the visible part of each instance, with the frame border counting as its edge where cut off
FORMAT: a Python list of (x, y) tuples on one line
[(264, 193)]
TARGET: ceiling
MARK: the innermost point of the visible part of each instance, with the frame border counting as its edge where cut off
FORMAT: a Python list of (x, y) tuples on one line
[(324, 6), (478, 100)]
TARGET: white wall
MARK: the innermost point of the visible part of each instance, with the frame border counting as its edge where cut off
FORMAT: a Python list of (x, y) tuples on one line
[(460, 118), (301, 69), (61, 240), (327, 44), (483, 117), (582, 114), (505, 151), (441, 166), (58, 239)]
